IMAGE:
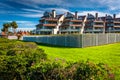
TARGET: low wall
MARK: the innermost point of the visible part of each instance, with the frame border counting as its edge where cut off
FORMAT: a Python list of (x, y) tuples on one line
[(83, 40), (12, 37)]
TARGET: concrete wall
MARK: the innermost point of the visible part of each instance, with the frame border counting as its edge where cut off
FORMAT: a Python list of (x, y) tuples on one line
[(84, 40)]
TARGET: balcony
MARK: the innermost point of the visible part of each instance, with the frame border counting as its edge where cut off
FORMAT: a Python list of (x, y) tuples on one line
[(117, 30), (99, 21), (76, 25), (116, 22), (45, 30), (94, 30), (98, 30), (49, 25), (116, 26), (70, 30), (76, 20), (51, 19), (98, 25)]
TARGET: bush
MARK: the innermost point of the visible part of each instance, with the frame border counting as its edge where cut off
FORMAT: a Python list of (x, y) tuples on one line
[(25, 61), (17, 58), (74, 71)]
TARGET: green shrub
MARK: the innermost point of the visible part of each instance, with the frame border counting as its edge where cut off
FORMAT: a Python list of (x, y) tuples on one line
[(17, 58), (74, 71), (25, 61)]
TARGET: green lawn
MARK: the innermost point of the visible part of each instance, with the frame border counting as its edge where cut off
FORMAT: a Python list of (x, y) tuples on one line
[(107, 54)]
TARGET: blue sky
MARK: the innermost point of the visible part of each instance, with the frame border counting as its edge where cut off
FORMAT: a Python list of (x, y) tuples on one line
[(27, 12)]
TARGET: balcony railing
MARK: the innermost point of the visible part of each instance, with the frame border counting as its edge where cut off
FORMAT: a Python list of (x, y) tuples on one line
[(94, 30), (116, 21), (45, 30), (101, 21), (76, 20), (117, 26), (51, 19), (98, 25), (76, 25), (50, 25), (70, 30)]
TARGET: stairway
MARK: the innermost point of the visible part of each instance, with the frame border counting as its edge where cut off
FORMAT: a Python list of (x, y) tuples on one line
[(60, 21), (83, 25)]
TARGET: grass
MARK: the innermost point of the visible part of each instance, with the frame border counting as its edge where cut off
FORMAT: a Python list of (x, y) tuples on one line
[(107, 54)]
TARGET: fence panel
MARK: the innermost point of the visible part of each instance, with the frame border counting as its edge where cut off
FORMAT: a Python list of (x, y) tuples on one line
[(79, 40)]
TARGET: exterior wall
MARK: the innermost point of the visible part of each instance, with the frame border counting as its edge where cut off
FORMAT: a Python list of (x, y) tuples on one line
[(67, 23), (83, 40)]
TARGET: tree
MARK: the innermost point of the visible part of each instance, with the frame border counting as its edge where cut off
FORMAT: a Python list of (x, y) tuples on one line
[(6, 26), (14, 26), (2, 29)]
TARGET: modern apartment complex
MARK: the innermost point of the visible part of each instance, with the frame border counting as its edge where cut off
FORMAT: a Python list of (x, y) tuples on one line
[(67, 23)]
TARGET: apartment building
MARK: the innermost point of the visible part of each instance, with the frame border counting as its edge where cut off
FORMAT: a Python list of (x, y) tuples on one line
[(69, 23), (112, 24), (116, 24), (72, 23), (94, 24), (49, 23)]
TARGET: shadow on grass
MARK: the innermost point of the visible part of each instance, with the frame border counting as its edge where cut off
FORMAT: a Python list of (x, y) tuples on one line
[(50, 45), (55, 46)]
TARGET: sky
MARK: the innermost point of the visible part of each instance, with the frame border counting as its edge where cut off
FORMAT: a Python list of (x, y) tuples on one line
[(28, 12)]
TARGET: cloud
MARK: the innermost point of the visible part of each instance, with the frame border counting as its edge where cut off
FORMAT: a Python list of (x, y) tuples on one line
[(22, 24), (25, 3), (100, 14), (38, 13), (111, 4), (32, 10), (58, 10), (26, 23), (3, 6), (31, 15), (25, 29), (58, 3)]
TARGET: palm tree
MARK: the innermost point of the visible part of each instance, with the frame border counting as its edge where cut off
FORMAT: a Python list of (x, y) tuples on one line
[(14, 26), (6, 26), (3, 30)]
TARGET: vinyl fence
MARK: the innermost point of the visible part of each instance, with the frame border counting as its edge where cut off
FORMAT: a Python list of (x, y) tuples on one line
[(83, 40)]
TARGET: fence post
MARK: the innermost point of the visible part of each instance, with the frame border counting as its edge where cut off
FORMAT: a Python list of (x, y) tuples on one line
[(82, 40), (107, 38), (115, 38), (65, 40), (96, 39)]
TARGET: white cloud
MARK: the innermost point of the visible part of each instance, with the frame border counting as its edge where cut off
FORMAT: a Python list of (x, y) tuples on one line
[(22, 24), (39, 13), (32, 15), (100, 14), (32, 10), (58, 10), (36, 3), (48, 2), (112, 4), (118, 15), (26, 3), (3, 5), (26, 23)]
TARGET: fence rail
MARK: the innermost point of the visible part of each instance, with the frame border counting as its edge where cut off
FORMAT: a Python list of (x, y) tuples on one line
[(72, 40)]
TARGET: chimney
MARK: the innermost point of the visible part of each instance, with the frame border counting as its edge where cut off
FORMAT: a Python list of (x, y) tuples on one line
[(96, 16), (114, 16), (88, 14), (53, 13), (76, 15), (106, 15)]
